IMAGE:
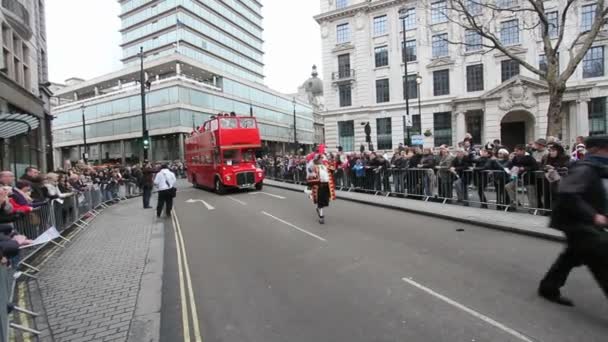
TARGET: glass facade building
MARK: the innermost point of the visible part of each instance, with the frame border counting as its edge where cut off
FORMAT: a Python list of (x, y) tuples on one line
[(202, 57)]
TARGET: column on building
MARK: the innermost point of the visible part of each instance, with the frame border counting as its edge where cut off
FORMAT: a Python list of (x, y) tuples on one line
[(181, 147), (582, 117), (461, 126), (122, 152), (99, 154)]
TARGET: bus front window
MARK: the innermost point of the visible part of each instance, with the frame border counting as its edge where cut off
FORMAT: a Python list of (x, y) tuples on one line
[(232, 157), (248, 156)]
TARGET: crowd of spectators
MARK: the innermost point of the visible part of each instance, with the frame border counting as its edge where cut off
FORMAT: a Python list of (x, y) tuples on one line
[(449, 174)]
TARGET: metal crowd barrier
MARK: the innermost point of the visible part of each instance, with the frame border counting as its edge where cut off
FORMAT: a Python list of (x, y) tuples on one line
[(532, 191), (75, 211)]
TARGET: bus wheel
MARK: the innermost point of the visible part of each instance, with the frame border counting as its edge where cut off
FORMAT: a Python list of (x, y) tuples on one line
[(259, 186), (219, 187)]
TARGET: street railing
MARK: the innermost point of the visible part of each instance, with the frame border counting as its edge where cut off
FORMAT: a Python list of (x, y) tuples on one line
[(53, 218), (533, 192)]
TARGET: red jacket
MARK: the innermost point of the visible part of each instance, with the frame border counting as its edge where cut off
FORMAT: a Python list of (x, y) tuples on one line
[(19, 208)]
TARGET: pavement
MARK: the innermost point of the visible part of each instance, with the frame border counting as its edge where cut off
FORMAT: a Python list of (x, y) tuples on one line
[(520, 223), (106, 284), (257, 266)]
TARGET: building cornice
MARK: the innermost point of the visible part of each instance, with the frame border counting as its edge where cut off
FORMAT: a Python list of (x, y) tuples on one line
[(354, 9)]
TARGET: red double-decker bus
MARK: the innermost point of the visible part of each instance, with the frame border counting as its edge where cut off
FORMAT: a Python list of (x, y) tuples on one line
[(221, 154)]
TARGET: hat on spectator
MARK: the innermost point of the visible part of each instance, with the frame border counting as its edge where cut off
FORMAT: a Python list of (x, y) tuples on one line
[(503, 151), (541, 141), (598, 141), (489, 146)]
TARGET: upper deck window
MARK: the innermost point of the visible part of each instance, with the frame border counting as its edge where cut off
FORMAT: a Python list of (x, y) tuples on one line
[(228, 123), (247, 123)]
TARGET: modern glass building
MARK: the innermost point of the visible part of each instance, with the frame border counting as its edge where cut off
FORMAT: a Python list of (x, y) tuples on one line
[(201, 58)]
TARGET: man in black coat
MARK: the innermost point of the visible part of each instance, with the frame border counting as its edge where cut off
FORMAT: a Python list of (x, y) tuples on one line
[(580, 213), (147, 184)]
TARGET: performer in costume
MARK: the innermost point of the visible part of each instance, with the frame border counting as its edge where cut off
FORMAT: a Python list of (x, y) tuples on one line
[(321, 181)]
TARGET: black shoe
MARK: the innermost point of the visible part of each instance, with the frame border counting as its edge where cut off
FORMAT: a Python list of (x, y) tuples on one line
[(147, 207), (555, 298), (321, 220)]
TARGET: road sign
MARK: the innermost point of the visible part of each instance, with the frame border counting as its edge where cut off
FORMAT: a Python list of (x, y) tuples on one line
[(408, 121), (417, 139)]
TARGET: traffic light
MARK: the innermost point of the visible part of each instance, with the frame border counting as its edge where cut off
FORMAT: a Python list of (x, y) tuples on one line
[(146, 143)]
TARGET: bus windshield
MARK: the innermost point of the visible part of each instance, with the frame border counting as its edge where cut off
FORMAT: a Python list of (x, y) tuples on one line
[(233, 157)]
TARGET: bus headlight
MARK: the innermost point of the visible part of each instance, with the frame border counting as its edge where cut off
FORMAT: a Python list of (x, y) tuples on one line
[(259, 174), (228, 178)]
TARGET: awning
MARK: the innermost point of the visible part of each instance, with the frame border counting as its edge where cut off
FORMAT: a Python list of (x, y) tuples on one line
[(13, 124)]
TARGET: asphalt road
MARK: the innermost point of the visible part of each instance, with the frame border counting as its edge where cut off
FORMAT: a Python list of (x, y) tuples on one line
[(262, 269)]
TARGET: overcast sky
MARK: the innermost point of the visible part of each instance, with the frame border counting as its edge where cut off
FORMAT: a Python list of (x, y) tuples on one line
[(83, 40)]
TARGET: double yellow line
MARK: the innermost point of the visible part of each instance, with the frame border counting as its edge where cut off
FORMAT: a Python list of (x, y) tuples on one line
[(185, 283)]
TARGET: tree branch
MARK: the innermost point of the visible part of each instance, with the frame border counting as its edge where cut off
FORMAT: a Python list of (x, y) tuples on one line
[(562, 24)]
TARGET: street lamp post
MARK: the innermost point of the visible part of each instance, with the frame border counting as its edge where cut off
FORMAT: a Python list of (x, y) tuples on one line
[(295, 135), (406, 84), (142, 83), (84, 136), (418, 82)]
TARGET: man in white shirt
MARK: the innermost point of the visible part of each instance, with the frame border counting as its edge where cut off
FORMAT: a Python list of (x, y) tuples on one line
[(165, 182)]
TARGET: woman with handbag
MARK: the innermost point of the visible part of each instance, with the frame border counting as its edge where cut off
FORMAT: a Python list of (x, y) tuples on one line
[(165, 182)]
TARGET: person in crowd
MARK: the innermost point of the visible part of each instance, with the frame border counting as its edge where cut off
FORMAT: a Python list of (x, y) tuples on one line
[(497, 166), (359, 171), (32, 175), (52, 189), (322, 185), (555, 164), (539, 153), (428, 162), (580, 213), (579, 153), (480, 176), (522, 166), (399, 164), (460, 164), (445, 174), (580, 140), (7, 178), (165, 181), (147, 183)]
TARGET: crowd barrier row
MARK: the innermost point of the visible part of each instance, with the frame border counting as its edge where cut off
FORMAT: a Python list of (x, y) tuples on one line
[(532, 191), (47, 223)]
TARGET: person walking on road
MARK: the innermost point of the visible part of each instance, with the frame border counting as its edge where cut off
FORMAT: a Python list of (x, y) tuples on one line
[(165, 182), (580, 213), (147, 183), (322, 184)]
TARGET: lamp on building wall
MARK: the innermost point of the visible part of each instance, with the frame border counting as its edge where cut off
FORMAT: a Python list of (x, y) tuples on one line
[(85, 155)]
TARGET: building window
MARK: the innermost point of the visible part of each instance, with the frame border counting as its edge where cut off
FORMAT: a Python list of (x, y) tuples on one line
[(472, 41), (542, 63), (441, 82), (346, 135), (380, 25), (439, 12), (597, 116), (508, 69), (475, 77), (343, 33), (381, 53), (593, 62), (509, 32), (384, 134), (506, 3), (410, 52), (473, 7), (416, 129), (345, 95), (553, 19), (341, 3), (474, 123), (382, 91), (411, 87), (588, 17), (410, 18), (440, 45), (442, 125), (344, 66)]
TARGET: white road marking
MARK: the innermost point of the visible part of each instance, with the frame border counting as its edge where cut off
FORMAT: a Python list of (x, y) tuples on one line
[(267, 194), (236, 200), (469, 311), (295, 227), (193, 310), (207, 205)]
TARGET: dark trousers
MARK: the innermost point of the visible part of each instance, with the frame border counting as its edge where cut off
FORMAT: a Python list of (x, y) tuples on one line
[(146, 196), (165, 197), (589, 251)]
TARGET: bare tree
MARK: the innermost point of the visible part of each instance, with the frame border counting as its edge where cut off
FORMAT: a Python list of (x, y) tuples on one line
[(483, 17)]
